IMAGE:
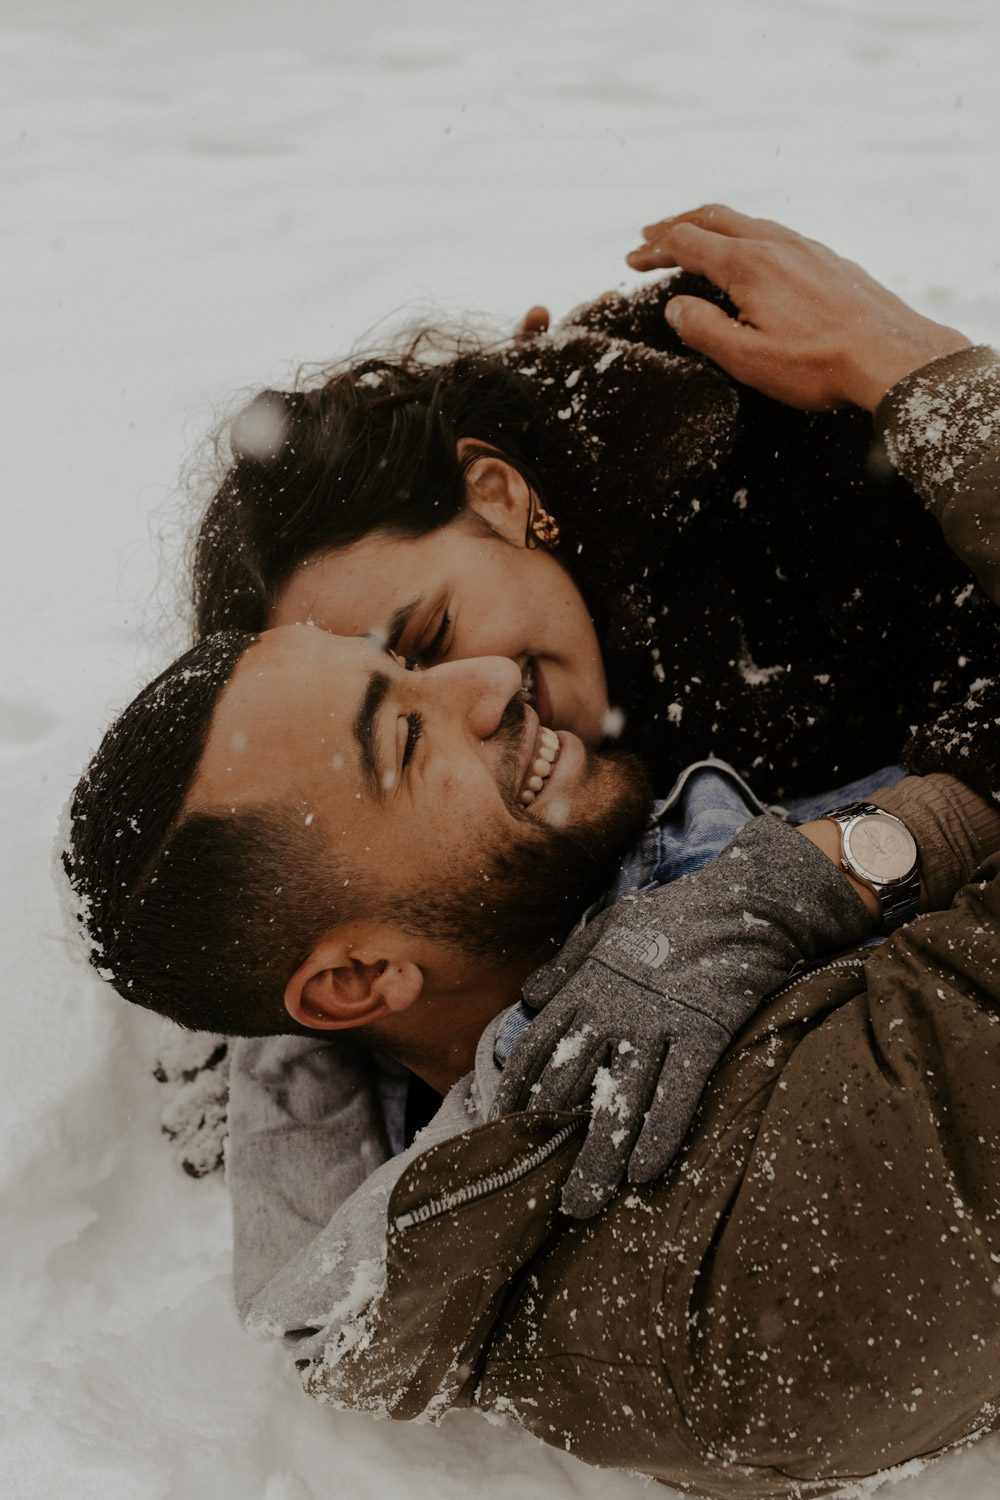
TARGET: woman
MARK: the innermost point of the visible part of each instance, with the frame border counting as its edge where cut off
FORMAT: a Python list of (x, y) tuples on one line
[(636, 530)]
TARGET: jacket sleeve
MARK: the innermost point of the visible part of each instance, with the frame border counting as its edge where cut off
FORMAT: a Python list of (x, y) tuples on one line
[(941, 426)]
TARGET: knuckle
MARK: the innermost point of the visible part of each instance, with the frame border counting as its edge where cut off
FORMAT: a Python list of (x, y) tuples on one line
[(759, 256), (779, 231)]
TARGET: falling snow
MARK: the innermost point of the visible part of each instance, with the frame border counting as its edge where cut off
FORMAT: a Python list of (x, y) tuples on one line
[(198, 198)]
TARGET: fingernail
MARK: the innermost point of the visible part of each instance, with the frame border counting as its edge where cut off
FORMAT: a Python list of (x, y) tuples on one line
[(672, 312)]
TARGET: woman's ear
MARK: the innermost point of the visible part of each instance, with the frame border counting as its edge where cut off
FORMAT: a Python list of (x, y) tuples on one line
[(497, 492), (347, 982)]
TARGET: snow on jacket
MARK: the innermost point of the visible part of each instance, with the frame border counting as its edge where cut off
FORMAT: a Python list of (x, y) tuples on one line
[(808, 1296), (311, 1184)]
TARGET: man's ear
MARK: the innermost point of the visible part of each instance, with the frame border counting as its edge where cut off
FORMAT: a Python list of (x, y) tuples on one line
[(496, 491), (352, 979)]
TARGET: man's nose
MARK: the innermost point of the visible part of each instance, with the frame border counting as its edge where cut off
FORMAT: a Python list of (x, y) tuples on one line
[(476, 689)]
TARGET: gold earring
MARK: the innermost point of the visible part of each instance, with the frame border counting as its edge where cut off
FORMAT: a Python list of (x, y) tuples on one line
[(543, 527)]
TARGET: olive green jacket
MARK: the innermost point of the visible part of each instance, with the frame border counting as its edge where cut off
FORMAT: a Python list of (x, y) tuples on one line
[(810, 1295)]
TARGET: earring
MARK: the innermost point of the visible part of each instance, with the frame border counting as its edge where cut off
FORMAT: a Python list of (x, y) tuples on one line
[(543, 527)]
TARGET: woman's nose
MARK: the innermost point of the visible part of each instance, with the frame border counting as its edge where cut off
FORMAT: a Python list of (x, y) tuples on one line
[(477, 689)]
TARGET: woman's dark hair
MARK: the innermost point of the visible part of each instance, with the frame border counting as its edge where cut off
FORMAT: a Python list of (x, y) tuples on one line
[(373, 447)]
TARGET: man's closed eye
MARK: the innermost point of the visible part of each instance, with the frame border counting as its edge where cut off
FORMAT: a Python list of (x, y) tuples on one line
[(414, 729)]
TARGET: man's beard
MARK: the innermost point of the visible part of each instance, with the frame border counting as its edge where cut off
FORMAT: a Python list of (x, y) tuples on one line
[(521, 901)]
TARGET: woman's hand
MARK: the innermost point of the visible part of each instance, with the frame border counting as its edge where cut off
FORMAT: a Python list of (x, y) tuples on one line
[(535, 321), (813, 330), (639, 1005)]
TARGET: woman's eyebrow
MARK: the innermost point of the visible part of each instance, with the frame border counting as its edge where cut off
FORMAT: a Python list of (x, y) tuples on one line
[(364, 728), (400, 620)]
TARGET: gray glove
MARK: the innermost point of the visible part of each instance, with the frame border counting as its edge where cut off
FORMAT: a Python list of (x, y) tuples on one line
[(641, 1003)]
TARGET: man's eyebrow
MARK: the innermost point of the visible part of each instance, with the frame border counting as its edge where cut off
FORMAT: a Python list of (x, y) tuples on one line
[(400, 620), (364, 727)]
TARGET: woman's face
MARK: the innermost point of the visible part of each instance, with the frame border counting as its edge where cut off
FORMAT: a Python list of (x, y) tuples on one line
[(464, 590)]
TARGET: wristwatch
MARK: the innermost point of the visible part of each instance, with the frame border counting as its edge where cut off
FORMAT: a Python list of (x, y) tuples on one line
[(881, 851)]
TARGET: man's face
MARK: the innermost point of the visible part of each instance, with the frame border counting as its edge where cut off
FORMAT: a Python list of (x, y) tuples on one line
[(420, 780)]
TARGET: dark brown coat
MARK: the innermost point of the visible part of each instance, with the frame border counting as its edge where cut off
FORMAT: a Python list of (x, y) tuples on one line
[(810, 1295)]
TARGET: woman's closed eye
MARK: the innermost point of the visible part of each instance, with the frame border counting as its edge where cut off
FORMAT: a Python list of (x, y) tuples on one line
[(426, 654)]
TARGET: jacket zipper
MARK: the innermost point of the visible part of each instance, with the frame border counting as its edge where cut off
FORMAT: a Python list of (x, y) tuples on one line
[(807, 973), (474, 1190)]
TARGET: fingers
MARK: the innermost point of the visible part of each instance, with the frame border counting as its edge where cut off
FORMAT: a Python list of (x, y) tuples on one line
[(680, 1087), (506, 1099), (600, 1167), (529, 1057), (566, 1082), (714, 216), (595, 1177), (621, 1091), (695, 249), (654, 256), (703, 240), (723, 220), (536, 320), (709, 330), (551, 1064)]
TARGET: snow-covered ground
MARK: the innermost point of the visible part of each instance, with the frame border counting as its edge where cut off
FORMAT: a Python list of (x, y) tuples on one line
[(196, 196)]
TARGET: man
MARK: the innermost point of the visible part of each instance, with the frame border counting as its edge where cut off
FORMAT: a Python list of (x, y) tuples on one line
[(323, 765), (808, 1295)]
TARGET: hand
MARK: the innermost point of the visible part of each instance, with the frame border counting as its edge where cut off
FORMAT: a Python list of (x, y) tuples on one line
[(813, 330), (641, 1003), (535, 321), (639, 1062)]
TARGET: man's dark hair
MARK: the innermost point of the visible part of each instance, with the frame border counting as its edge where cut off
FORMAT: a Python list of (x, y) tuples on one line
[(373, 448), (199, 917)]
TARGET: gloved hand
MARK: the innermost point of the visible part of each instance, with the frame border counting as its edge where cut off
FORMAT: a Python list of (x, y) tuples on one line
[(641, 1003)]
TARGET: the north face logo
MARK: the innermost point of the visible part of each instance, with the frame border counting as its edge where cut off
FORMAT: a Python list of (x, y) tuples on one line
[(650, 951)]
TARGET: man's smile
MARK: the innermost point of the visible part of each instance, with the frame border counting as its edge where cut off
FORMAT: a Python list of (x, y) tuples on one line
[(539, 769), (551, 760)]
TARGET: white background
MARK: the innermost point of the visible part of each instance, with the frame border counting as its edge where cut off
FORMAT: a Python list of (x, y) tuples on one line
[(195, 198)]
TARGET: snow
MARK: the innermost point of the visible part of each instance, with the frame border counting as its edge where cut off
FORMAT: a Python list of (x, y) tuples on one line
[(568, 1048), (197, 197), (608, 1097)]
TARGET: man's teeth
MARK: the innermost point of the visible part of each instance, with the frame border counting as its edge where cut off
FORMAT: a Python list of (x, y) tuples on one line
[(528, 682), (541, 766)]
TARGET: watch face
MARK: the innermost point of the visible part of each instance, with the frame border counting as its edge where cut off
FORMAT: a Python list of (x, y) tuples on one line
[(882, 847)]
